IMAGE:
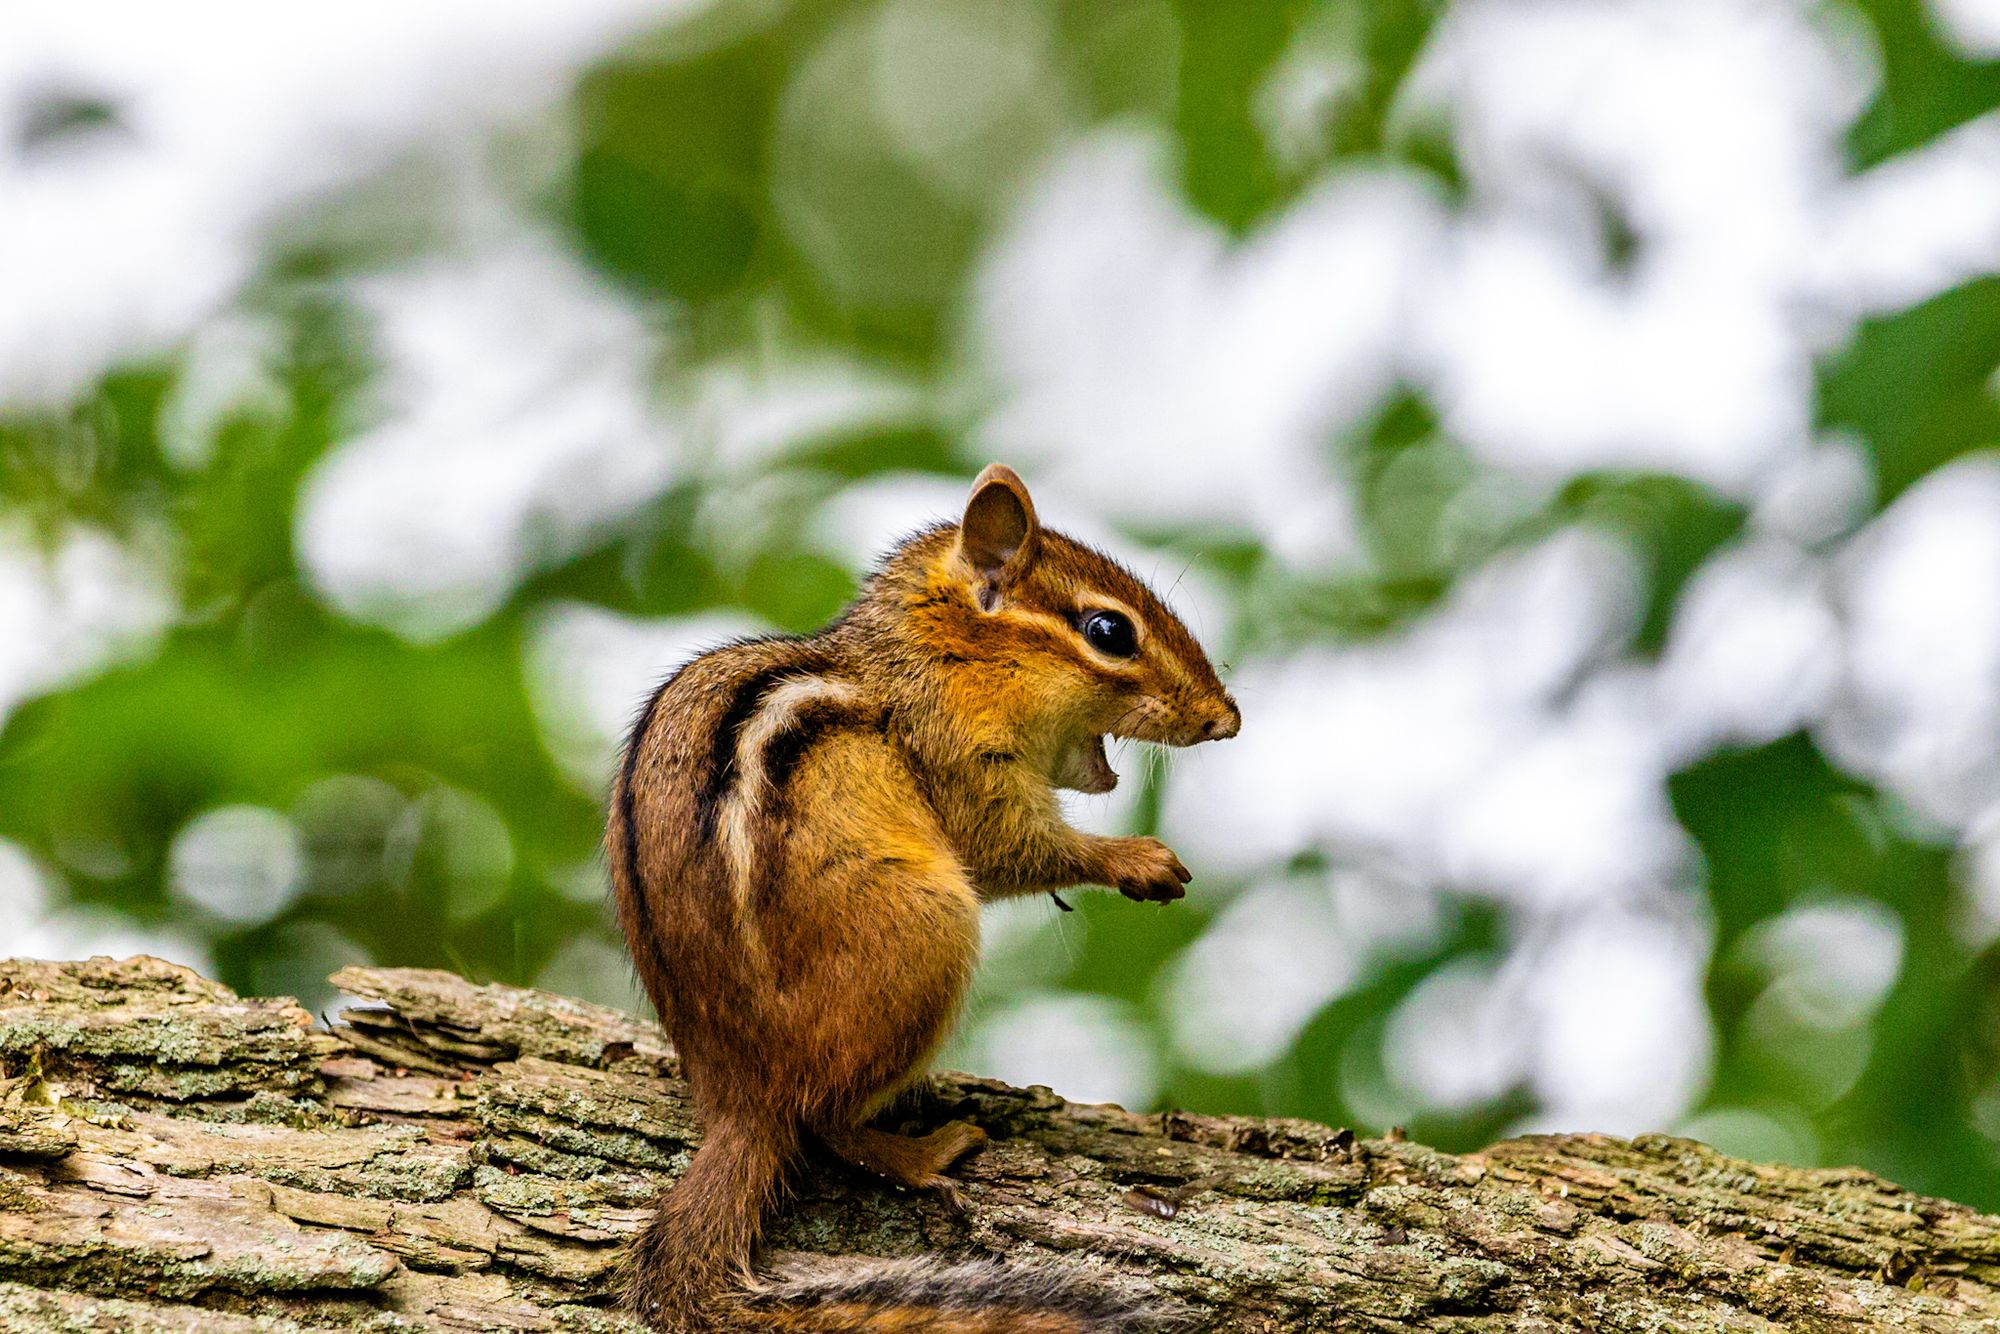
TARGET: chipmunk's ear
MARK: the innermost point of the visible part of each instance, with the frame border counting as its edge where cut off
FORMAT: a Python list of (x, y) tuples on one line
[(999, 532)]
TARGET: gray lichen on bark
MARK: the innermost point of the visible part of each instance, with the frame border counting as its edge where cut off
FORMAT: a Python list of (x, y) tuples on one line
[(175, 1157)]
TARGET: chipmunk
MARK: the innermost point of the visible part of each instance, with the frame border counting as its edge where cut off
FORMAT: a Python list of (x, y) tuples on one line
[(801, 835)]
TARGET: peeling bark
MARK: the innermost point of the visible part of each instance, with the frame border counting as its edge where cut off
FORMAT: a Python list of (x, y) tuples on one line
[(176, 1158)]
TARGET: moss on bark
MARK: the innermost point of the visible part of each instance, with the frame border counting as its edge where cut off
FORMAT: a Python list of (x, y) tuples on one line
[(174, 1157)]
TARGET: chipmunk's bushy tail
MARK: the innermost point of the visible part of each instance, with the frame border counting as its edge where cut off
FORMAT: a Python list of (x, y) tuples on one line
[(695, 1252), (688, 1272), (936, 1297)]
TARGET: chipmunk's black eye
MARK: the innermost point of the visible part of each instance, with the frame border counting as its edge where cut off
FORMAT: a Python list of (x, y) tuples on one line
[(1110, 633)]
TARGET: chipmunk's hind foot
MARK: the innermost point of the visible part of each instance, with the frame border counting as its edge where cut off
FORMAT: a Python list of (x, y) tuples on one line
[(917, 1162)]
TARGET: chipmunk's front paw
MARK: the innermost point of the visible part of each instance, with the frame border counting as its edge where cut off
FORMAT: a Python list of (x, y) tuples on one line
[(1145, 870)]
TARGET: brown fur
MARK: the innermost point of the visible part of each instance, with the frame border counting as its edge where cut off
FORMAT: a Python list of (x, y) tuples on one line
[(801, 837)]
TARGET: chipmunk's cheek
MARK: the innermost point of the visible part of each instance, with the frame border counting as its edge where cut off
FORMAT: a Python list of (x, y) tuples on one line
[(1085, 768)]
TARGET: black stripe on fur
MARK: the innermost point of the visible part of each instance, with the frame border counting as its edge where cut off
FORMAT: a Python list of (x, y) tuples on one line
[(743, 702), (806, 728), (782, 754), (642, 908)]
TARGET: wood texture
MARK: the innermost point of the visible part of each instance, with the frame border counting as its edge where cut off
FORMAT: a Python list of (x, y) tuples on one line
[(174, 1157)]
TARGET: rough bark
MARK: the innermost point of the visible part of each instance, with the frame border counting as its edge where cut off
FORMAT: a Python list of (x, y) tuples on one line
[(174, 1157)]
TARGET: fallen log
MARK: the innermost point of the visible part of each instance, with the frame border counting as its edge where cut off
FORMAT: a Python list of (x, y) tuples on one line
[(174, 1157)]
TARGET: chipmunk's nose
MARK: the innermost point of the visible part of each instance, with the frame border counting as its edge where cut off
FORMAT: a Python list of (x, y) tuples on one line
[(1223, 725)]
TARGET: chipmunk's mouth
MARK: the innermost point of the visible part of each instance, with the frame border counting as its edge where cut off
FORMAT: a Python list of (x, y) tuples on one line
[(1084, 767)]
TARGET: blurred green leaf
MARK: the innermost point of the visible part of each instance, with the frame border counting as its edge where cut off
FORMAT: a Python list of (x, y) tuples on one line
[(1918, 385)]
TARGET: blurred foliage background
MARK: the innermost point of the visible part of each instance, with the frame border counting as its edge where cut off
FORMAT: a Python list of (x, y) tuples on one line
[(1567, 420)]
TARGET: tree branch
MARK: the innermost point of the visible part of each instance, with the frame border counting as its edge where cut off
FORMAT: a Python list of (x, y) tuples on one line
[(174, 1157)]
